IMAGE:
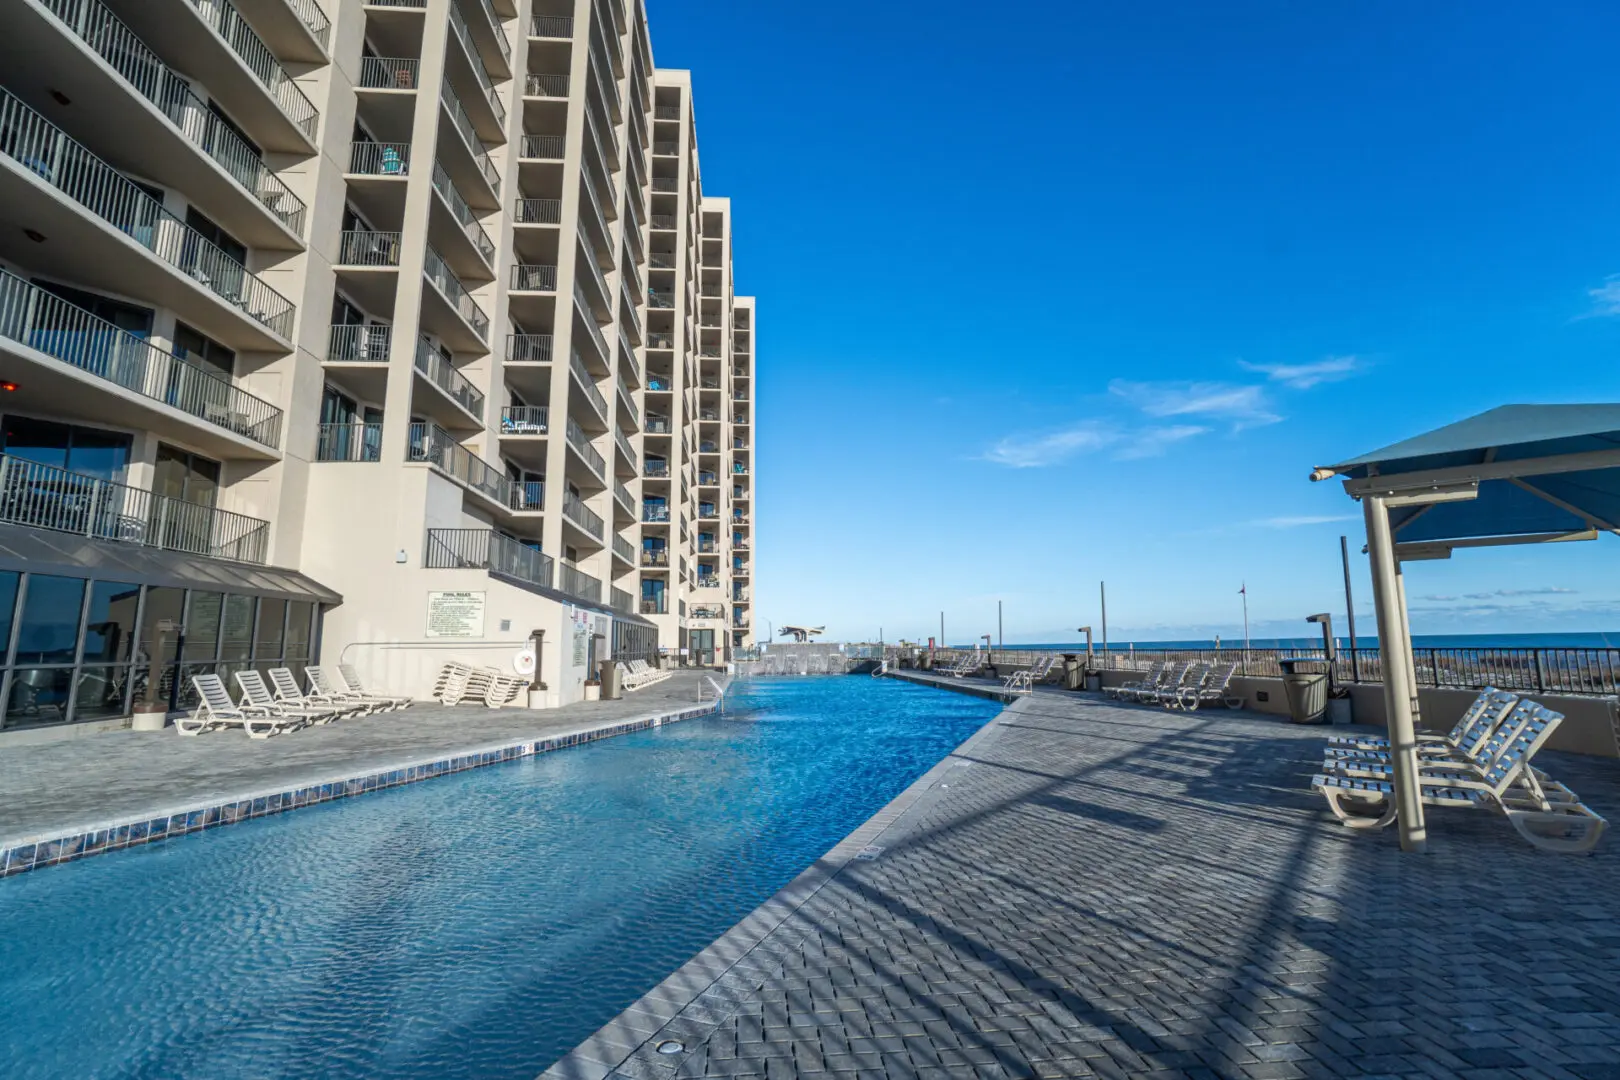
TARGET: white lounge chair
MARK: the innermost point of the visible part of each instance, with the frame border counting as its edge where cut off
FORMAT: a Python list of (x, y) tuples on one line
[(216, 709), (1477, 724), (351, 679), (323, 690), (1546, 813), (1155, 675), (285, 685), (256, 693), (1023, 680), (1170, 674), (1212, 688), (1189, 680)]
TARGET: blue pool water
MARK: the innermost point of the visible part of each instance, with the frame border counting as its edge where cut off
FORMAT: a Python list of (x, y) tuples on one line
[(479, 925)]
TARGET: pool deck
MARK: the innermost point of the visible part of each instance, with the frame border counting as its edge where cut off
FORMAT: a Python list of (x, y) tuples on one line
[(1089, 888), (60, 789)]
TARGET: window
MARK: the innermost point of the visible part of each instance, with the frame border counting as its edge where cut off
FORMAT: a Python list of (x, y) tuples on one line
[(188, 477), (227, 122), (136, 320), (204, 351), (272, 628), (91, 451), (109, 624), (202, 626), (208, 230), (345, 313), (49, 630), (236, 628)]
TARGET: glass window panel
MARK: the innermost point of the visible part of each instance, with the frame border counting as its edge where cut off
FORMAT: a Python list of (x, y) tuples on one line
[(37, 440), (272, 617), (236, 631), (50, 621), (202, 625), (298, 620), (161, 604), (109, 631), (39, 696), (101, 693), (8, 605), (102, 454)]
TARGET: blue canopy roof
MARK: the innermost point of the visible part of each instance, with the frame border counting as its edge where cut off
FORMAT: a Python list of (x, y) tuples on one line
[(1537, 499)]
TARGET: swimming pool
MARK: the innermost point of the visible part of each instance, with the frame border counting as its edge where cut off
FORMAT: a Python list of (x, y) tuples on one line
[(479, 925)]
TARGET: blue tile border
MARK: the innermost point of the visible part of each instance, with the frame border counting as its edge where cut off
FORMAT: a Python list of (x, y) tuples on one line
[(37, 854)]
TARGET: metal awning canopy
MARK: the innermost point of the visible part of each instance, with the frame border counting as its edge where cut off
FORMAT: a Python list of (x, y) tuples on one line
[(1518, 474)]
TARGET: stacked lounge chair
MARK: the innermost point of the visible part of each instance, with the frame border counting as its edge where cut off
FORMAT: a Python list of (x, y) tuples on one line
[(964, 666), (459, 683), (351, 678), (1213, 688), (1023, 680), (1484, 762), (638, 675), (324, 687), (1154, 676)]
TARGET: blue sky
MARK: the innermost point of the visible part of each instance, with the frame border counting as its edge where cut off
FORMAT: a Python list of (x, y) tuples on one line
[(1059, 292)]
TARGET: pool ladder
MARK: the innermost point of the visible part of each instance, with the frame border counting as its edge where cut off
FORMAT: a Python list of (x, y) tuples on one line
[(719, 692)]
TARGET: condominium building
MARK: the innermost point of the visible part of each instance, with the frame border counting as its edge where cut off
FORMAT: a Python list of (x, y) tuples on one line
[(385, 332)]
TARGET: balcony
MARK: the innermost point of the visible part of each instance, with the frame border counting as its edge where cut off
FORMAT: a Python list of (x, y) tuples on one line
[(349, 442), (557, 27), (367, 264), (666, 148), (489, 110), (708, 582), (662, 223), (660, 301), (581, 444), (438, 371), (528, 362), (576, 582), (541, 148), (367, 248), (485, 549), (655, 558), (470, 316), (467, 227), (657, 425), (627, 455), (630, 324), (491, 36), (667, 112), (656, 470), (666, 184), (623, 549), (477, 153), (44, 497), (435, 446), (575, 510), (655, 513), (162, 131), (525, 421), (103, 231), (654, 605), (592, 328), (587, 385), (705, 611), (621, 495), (391, 160), (708, 479), (660, 341), (628, 402), (624, 603), (538, 212), (534, 277), (359, 344), (538, 85), (397, 73), (526, 496), (80, 352)]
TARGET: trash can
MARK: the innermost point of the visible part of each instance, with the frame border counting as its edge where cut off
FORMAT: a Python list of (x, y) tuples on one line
[(1305, 681), (1071, 671), (608, 675)]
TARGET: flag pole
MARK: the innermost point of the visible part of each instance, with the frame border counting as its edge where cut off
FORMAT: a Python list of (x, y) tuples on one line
[(1244, 592)]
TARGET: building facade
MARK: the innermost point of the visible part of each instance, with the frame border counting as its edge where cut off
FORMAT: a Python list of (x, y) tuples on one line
[(387, 333)]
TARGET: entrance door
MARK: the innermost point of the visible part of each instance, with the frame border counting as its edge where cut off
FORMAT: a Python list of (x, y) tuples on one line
[(702, 646)]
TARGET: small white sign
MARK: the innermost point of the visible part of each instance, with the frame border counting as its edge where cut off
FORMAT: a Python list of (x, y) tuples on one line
[(455, 614)]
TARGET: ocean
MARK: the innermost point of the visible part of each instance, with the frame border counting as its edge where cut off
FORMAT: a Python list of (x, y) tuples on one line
[(1590, 640)]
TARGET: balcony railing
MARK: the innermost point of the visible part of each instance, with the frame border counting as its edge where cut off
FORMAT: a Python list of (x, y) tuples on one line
[(667, 112), (437, 447), (459, 27), (542, 148), (526, 496), (665, 222), (667, 184), (45, 497), (495, 26), (591, 326), (390, 72), (539, 211), (657, 425), (622, 495), (528, 348), (655, 513), (656, 470), (708, 612), (485, 549), (45, 150), (551, 26), (576, 582), (252, 50), (435, 270), (626, 453), (580, 442), (656, 299), (623, 602), (463, 214), (666, 148), (349, 442), (67, 332), (99, 28), (359, 344), (525, 420), (533, 277), (380, 159), (363, 247), (624, 550), (441, 373), (654, 606), (588, 384), (575, 510), (627, 361), (310, 14), (655, 558), (632, 320), (546, 86), (469, 135), (662, 260), (708, 582), (660, 341)]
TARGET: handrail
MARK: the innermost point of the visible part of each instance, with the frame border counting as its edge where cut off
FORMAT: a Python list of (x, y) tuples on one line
[(588, 384), (538, 212), (590, 320), (469, 136), (437, 447), (45, 497), (354, 441), (528, 348), (580, 442), (575, 510), (358, 343), (551, 26), (234, 30), (526, 496), (542, 148), (93, 23), (380, 159), (436, 271), (463, 32), (310, 14), (495, 27), (525, 420), (463, 214), (485, 549), (390, 73), (533, 277), (577, 582), (539, 84), (441, 373), (47, 152), (43, 321), (365, 247)]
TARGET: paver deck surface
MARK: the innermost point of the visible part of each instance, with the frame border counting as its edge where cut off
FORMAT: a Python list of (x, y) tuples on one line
[(1090, 888), (53, 787)]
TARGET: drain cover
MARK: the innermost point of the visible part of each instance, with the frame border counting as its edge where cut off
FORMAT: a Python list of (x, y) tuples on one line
[(869, 852), (670, 1046)]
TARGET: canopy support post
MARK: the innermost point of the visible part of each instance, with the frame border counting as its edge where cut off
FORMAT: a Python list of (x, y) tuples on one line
[(1399, 686)]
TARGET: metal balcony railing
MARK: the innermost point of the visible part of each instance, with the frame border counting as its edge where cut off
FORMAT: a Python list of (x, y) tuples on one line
[(533, 277), (621, 494), (551, 26), (581, 443), (667, 112), (628, 363), (708, 479), (469, 136), (666, 148), (661, 260), (626, 453), (629, 401), (228, 23), (665, 222), (359, 344), (706, 611), (667, 184), (362, 247), (390, 72), (656, 299), (526, 496), (46, 151), (632, 234), (380, 159), (660, 341), (349, 442), (66, 332), (528, 348), (631, 323), (495, 26), (485, 549), (546, 86), (656, 470), (539, 212), (525, 420), (654, 606), (657, 425), (45, 497), (435, 270), (708, 582), (655, 558), (94, 24), (310, 14), (437, 447), (576, 582), (542, 148), (655, 513), (623, 602), (463, 33), (606, 84), (441, 373), (624, 550), (463, 214)]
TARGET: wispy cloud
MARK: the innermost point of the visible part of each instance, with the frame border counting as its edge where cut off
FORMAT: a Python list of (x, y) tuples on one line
[(1153, 442), (1033, 451), (1300, 521), (1242, 406), (1305, 376), (1605, 298), (1498, 594)]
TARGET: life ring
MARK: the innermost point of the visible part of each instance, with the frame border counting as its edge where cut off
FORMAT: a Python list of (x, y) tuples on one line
[(523, 662)]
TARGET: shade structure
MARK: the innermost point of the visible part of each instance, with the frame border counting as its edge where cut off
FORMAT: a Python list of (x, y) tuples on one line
[(1518, 474)]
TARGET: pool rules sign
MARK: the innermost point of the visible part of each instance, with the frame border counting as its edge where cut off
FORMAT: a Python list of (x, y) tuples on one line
[(455, 615)]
